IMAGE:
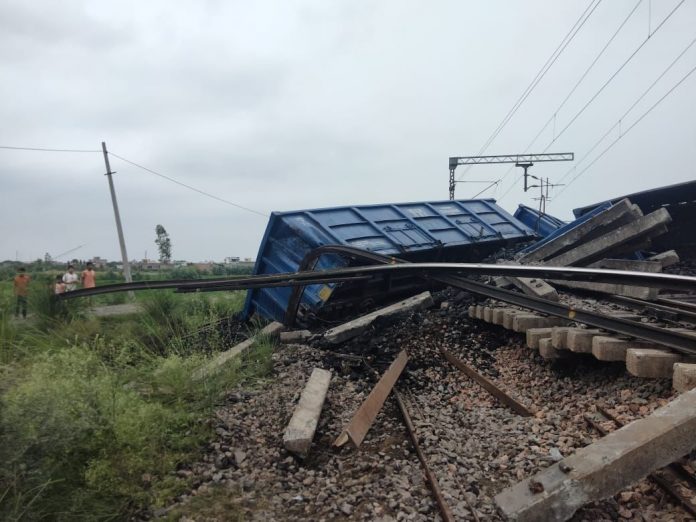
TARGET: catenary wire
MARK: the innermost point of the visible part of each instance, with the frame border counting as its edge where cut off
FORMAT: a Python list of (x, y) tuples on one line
[(633, 105), (41, 149), (674, 87), (199, 191), (614, 75), (539, 76), (577, 84), (570, 93), (633, 54)]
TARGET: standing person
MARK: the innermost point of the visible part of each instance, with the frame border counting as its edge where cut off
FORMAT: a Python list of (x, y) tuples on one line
[(59, 287), (21, 291), (70, 279), (89, 276)]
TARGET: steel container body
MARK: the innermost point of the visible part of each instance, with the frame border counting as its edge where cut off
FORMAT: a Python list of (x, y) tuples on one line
[(462, 230), (541, 223)]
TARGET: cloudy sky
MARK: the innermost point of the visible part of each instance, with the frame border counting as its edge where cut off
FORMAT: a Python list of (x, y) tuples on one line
[(305, 104)]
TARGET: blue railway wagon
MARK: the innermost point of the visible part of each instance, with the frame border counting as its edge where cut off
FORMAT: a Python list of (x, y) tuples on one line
[(542, 224), (463, 230)]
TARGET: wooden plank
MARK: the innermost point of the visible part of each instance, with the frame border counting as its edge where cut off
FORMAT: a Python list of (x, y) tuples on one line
[(362, 420)]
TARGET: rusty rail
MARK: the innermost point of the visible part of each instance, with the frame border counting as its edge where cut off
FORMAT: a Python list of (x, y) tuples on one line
[(445, 510), (487, 385)]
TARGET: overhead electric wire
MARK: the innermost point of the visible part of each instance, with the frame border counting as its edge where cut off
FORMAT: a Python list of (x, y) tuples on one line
[(614, 75), (540, 75), (577, 84), (41, 149), (598, 92), (494, 183), (199, 191), (629, 129), (633, 105)]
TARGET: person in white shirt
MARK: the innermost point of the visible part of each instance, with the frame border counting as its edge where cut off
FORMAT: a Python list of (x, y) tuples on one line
[(70, 278)]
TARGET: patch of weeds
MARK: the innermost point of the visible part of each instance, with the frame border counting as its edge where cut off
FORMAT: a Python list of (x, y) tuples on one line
[(97, 413)]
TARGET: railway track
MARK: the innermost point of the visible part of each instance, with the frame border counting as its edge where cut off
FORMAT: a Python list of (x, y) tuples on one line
[(463, 439)]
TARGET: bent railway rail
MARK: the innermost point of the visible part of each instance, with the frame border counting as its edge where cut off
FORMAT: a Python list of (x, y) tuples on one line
[(426, 270), (451, 274), (676, 340)]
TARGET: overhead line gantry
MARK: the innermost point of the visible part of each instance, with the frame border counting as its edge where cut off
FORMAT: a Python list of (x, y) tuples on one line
[(520, 160)]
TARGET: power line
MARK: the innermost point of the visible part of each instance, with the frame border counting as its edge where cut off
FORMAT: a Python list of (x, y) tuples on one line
[(606, 83), (187, 186), (633, 105), (611, 78), (540, 75), (683, 79), (40, 149), (577, 84)]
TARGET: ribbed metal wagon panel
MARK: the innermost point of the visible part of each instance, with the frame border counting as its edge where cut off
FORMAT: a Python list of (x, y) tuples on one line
[(542, 224), (463, 230)]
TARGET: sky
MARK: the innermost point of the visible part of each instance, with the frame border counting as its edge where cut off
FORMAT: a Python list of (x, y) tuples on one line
[(286, 105)]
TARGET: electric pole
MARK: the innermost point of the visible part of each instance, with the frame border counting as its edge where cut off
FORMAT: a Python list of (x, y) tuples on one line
[(119, 228)]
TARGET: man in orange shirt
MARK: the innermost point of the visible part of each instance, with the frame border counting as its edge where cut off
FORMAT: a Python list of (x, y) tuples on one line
[(21, 291), (89, 276)]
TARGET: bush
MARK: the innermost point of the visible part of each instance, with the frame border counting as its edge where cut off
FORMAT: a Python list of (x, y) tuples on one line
[(182, 272), (84, 443), (96, 414)]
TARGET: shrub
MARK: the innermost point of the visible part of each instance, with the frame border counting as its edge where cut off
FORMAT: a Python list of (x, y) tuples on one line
[(79, 440)]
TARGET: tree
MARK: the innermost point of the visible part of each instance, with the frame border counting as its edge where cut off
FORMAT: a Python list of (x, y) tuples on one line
[(164, 244)]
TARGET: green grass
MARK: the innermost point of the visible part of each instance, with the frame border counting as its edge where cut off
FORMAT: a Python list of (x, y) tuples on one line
[(96, 414)]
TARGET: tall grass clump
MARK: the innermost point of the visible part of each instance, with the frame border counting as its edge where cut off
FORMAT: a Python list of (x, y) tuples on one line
[(96, 414)]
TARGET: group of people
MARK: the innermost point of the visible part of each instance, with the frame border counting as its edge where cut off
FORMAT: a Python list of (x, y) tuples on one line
[(65, 283), (69, 280)]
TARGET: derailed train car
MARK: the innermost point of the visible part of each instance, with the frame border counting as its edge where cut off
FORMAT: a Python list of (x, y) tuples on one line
[(463, 230)]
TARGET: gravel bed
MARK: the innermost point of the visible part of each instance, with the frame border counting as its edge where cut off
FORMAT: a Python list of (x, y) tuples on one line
[(475, 446)]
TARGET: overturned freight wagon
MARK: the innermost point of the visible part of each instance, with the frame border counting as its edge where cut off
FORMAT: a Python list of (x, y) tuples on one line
[(464, 231), (543, 224)]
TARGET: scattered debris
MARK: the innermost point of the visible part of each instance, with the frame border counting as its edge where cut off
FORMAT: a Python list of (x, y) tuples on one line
[(357, 326), (607, 466), (300, 431), (365, 416), (295, 336), (223, 358)]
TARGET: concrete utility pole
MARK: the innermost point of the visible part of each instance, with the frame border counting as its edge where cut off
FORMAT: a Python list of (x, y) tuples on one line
[(119, 228)]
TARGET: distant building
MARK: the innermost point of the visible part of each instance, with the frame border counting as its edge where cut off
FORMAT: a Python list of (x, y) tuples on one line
[(231, 260), (147, 264), (98, 262)]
